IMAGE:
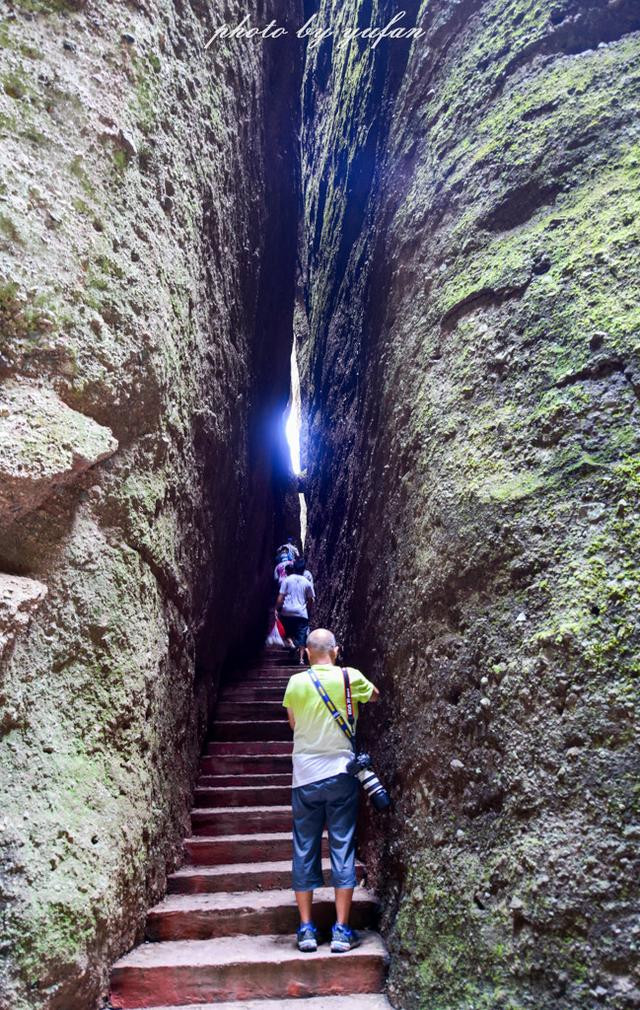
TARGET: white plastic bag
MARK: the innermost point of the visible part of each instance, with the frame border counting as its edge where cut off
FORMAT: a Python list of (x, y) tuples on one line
[(274, 637)]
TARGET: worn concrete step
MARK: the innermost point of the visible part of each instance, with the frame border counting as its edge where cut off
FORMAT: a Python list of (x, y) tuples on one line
[(240, 877), (269, 690), (255, 692), (277, 654), (241, 763), (275, 678), (243, 710), (274, 686), (276, 746), (282, 662), (273, 670), (213, 821), (267, 673), (241, 796), (214, 850), (180, 972), (366, 1001), (226, 781), (251, 729), (274, 654), (206, 916)]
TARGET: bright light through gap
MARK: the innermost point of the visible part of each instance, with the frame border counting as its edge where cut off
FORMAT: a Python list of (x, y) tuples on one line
[(294, 416)]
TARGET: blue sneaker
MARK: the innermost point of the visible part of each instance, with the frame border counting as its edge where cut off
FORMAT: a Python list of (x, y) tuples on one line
[(343, 939), (307, 938)]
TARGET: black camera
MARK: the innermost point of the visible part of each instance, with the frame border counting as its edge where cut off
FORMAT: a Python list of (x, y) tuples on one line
[(360, 766)]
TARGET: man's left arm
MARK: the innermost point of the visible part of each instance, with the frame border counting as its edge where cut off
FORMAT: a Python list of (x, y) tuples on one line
[(362, 689)]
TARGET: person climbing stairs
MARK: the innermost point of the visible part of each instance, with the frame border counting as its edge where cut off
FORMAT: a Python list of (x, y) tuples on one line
[(224, 936)]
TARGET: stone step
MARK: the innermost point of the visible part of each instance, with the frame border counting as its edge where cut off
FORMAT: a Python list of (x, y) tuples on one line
[(251, 729), (283, 661), (180, 972), (251, 693), (241, 796), (278, 683), (242, 710), (215, 850), (278, 670), (226, 781), (208, 916), (255, 681), (240, 877), (257, 678), (266, 673), (218, 850), (250, 746), (274, 687), (278, 655), (241, 763), (281, 658), (366, 1001), (214, 821)]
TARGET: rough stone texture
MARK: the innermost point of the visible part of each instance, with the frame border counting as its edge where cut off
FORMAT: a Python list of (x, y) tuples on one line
[(19, 597), (471, 376), (43, 443), (140, 218)]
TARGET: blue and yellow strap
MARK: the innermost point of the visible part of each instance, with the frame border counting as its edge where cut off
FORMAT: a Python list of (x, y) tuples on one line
[(335, 712)]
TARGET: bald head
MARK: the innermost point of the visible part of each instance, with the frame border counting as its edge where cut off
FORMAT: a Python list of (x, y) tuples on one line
[(321, 645)]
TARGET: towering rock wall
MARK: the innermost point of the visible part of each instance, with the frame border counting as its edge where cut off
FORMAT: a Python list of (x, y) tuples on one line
[(470, 356), (148, 187)]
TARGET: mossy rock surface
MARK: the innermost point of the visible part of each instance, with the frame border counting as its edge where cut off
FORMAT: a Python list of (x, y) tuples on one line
[(471, 372), (136, 341)]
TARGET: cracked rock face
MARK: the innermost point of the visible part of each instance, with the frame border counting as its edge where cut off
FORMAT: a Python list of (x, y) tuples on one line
[(19, 597), (43, 443), (143, 351), (471, 373)]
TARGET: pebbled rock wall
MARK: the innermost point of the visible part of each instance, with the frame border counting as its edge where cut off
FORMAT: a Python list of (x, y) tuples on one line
[(470, 354), (147, 188)]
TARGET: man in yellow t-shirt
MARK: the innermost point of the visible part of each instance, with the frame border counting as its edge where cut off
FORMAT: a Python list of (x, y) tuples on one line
[(323, 791)]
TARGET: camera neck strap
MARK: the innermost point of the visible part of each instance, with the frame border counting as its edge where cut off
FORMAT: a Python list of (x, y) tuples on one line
[(346, 727)]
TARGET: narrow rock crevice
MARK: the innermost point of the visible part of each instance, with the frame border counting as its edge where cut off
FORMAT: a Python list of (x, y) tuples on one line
[(449, 229)]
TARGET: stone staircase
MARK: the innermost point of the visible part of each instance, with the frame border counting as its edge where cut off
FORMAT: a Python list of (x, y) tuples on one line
[(223, 936)]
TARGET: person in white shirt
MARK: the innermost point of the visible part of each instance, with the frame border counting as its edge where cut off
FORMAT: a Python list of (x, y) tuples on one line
[(284, 568), (294, 601)]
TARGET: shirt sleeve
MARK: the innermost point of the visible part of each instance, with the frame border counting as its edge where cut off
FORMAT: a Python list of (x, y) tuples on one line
[(283, 586), (287, 701), (361, 688)]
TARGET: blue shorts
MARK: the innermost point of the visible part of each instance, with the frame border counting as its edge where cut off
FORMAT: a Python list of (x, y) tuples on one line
[(334, 802), (296, 628)]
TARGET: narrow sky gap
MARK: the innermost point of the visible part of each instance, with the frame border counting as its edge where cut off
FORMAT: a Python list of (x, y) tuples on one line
[(292, 426), (293, 416)]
